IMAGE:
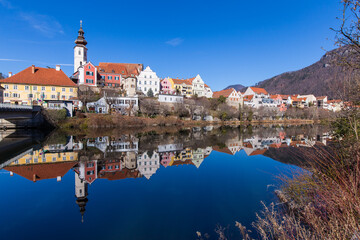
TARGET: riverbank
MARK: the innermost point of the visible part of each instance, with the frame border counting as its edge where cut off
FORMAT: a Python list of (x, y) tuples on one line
[(97, 121)]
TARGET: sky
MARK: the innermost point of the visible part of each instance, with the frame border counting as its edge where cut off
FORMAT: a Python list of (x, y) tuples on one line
[(226, 42)]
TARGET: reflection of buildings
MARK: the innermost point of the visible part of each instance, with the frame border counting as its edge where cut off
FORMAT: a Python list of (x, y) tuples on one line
[(50, 161), (256, 145), (121, 158)]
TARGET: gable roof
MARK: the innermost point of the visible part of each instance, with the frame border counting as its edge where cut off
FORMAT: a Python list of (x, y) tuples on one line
[(226, 93), (248, 98), (183, 81), (41, 76), (125, 69), (259, 90), (41, 171)]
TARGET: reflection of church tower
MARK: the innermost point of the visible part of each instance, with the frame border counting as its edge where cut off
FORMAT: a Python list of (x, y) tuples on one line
[(80, 50), (81, 193)]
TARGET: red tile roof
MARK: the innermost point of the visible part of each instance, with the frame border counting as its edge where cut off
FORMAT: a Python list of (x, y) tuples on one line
[(259, 90), (36, 172), (183, 81), (125, 69), (248, 98), (225, 93), (335, 101), (41, 76), (223, 150), (258, 152)]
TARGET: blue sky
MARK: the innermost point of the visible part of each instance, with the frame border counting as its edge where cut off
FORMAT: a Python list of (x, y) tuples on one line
[(226, 42)]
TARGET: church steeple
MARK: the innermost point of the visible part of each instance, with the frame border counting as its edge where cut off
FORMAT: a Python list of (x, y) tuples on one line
[(80, 50), (81, 39)]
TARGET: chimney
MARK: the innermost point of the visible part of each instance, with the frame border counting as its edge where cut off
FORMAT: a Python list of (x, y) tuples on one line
[(57, 68), (33, 69), (10, 74)]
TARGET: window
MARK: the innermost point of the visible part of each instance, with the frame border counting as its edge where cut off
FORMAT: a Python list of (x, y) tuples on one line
[(150, 82), (6, 94), (26, 87), (64, 158), (109, 77), (89, 67), (145, 82), (90, 172), (116, 77), (35, 88), (139, 82), (63, 89), (43, 88), (71, 90), (15, 87), (6, 86), (145, 89), (44, 160), (54, 159), (53, 89), (30, 95), (16, 95), (89, 73), (53, 96)]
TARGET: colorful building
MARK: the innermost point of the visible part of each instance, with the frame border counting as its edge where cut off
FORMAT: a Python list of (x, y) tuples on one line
[(34, 85), (167, 86), (232, 97)]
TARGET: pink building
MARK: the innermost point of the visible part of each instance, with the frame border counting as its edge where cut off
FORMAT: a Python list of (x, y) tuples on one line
[(167, 86)]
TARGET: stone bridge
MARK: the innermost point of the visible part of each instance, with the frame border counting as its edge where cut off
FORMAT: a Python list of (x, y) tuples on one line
[(19, 116)]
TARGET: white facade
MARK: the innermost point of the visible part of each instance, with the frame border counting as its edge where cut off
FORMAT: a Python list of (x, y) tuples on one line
[(80, 56), (208, 92), (166, 98), (198, 86), (148, 164), (100, 106), (309, 98), (148, 79)]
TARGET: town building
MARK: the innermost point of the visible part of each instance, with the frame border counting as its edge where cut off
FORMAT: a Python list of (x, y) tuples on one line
[(148, 163), (123, 105), (208, 92), (232, 97), (80, 50), (148, 81), (167, 86), (34, 85), (167, 98), (183, 87), (61, 104), (310, 99), (321, 101)]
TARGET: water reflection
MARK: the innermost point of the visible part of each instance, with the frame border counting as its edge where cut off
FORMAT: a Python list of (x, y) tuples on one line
[(141, 155)]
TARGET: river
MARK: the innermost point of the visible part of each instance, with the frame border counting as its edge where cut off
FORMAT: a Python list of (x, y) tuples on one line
[(145, 185)]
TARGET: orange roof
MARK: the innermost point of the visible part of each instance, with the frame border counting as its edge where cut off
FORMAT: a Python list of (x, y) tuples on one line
[(186, 162), (294, 98), (247, 145), (206, 86), (36, 172), (248, 98), (225, 93), (259, 90), (223, 150), (275, 96), (183, 81), (125, 69), (335, 101), (41, 76), (258, 152)]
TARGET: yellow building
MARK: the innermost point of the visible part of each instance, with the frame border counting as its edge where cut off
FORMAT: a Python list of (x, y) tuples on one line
[(183, 86), (33, 85)]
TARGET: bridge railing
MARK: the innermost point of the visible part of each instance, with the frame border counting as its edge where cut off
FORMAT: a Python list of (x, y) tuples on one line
[(5, 106)]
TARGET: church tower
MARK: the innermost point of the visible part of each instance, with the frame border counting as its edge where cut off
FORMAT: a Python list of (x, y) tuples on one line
[(81, 193), (80, 50)]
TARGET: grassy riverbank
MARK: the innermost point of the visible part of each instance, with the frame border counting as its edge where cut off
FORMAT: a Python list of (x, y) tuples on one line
[(98, 121)]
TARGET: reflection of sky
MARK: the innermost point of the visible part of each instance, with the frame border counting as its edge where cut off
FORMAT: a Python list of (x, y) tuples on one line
[(174, 204)]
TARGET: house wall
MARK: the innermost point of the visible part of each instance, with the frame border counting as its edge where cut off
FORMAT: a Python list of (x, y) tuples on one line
[(25, 94)]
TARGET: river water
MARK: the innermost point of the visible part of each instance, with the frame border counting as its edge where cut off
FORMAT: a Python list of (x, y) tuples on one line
[(144, 185)]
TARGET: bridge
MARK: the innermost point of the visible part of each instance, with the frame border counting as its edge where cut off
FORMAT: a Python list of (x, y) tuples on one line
[(19, 116)]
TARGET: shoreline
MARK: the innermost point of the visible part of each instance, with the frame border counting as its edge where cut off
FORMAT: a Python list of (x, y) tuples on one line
[(110, 122)]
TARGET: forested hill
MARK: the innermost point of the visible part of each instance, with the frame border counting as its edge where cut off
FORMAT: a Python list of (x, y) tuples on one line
[(324, 77)]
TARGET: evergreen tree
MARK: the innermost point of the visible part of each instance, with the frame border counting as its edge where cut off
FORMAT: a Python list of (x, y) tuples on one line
[(150, 93)]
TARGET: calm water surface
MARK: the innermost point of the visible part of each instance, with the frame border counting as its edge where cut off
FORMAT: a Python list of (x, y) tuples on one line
[(143, 186)]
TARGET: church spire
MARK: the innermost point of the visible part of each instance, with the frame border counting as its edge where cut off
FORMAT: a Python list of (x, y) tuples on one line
[(81, 39)]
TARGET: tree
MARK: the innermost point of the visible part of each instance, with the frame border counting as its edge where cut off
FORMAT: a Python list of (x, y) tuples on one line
[(222, 99), (348, 36), (150, 93)]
